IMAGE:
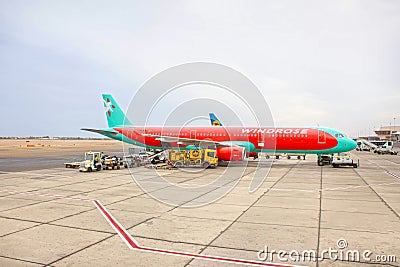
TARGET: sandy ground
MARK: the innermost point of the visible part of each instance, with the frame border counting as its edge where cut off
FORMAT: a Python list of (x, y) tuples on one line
[(24, 154), (19, 148)]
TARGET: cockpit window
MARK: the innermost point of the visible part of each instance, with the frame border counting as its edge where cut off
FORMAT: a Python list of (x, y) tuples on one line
[(341, 135), (336, 135)]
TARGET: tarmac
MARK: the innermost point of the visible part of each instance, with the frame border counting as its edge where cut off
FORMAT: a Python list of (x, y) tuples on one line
[(49, 217)]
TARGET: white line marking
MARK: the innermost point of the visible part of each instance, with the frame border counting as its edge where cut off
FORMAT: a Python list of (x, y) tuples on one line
[(44, 195), (393, 175)]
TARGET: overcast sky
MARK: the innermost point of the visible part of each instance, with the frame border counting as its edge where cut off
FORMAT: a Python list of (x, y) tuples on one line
[(327, 63)]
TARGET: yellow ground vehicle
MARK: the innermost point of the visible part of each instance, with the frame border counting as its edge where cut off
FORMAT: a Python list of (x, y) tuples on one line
[(91, 163), (193, 158)]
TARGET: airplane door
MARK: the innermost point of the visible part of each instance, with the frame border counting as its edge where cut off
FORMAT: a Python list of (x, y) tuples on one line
[(260, 139), (192, 134), (321, 137)]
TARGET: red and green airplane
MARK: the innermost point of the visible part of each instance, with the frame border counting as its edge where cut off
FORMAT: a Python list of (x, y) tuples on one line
[(231, 143)]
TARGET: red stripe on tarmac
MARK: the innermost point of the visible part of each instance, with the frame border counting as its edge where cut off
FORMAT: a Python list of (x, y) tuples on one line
[(134, 245), (212, 258), (121, 231)]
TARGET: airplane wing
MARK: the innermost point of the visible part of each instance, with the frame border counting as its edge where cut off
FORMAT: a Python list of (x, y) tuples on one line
[(188, 141), (100, 131)]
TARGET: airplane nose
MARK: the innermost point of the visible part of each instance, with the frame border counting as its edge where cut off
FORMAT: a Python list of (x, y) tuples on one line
[(351, 144), (348, 144)]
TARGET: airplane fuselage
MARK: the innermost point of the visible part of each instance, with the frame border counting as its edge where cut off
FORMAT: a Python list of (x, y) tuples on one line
[(311, 140)]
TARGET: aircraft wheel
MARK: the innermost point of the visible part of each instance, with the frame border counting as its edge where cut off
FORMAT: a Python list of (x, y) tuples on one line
[(178, 164)]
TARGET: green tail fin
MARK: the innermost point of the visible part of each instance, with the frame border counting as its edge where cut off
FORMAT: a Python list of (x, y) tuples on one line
[(115, 115)]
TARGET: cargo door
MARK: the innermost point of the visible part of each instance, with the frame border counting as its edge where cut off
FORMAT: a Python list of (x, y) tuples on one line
[(321, 137), (192, 134), (260, 139)]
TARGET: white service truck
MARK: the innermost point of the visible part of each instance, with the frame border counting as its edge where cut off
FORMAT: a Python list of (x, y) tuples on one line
[(91, 163), (344, 160), (386, 148)]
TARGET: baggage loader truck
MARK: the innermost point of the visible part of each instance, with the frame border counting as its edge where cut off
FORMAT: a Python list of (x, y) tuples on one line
[(193, 158)]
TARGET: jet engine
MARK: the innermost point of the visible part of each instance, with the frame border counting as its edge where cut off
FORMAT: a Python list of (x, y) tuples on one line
[(233, 153)]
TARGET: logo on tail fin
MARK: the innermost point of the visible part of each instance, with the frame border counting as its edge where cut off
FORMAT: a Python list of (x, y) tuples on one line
[(109, 106), (214, 120)]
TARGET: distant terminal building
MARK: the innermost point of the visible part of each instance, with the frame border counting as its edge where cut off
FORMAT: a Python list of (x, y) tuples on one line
[(370, 138), (388, 132)]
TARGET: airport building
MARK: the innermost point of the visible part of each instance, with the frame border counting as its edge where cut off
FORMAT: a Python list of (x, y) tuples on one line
[(388, 132)]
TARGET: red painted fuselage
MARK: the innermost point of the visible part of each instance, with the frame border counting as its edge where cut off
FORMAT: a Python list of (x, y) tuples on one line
[(309, 140)]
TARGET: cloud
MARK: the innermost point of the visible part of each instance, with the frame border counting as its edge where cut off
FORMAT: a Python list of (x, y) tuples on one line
[(320, 62)]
